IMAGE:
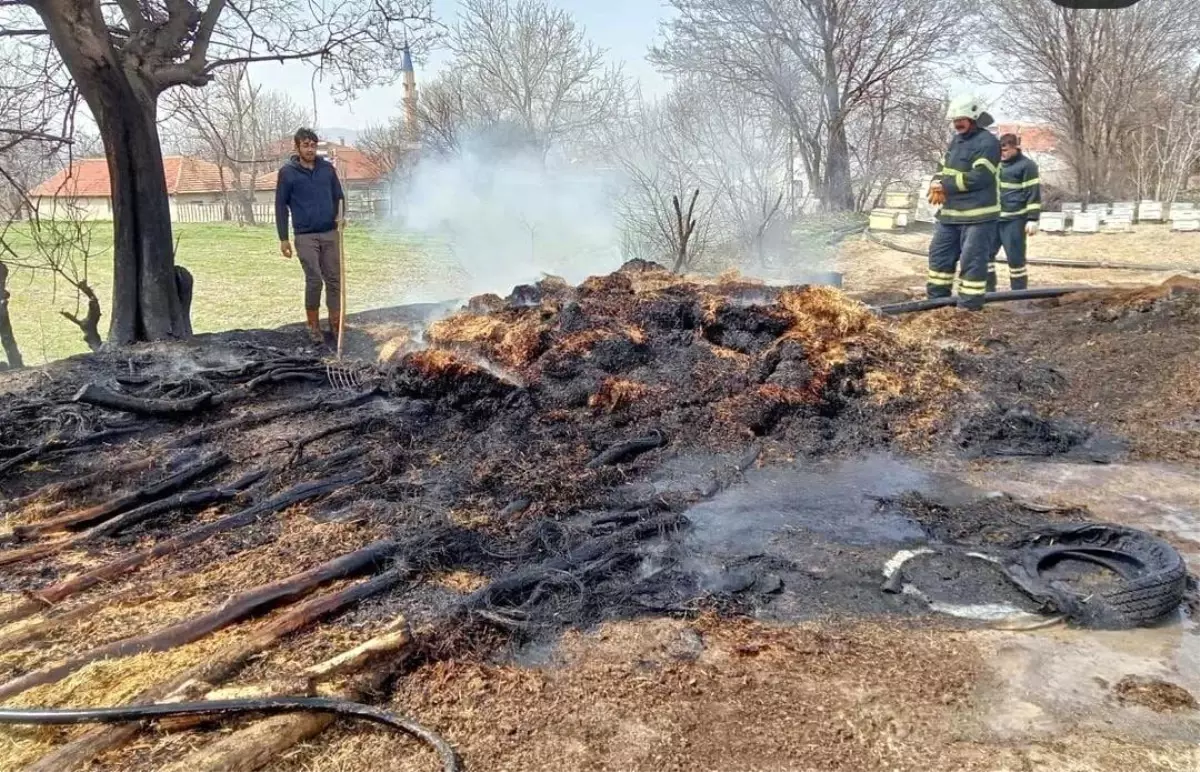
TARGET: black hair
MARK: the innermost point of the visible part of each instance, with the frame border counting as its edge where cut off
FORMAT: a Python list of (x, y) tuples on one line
[(1010, 140), (305, 135)]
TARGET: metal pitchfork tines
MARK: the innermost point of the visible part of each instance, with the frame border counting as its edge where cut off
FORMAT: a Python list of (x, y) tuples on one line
[(344, 377)]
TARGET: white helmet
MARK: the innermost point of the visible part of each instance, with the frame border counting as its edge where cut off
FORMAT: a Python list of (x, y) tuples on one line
[(964, 106)]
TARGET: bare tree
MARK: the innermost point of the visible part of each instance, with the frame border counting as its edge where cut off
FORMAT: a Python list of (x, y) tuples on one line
[(122, 56), (62, 245), (1088, 73), (448, 109), (898, 137), (37, 117), (649, 146), (235, 123), (820, 61), (454, 112), (684, 228), (8, 340), (742, 146), (386, 145), (1159, 155), (524, 65), (731, 147)]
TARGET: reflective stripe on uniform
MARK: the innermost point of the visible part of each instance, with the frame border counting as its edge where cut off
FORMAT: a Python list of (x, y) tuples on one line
[(1018, 273), (940, 278), (972, 287), (977, 212), (1021, 185), (991, 167), (960, 177), (1026, 210)]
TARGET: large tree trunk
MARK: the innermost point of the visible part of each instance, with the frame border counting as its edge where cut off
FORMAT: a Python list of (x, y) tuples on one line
[(838, 197), (246, 201), (145, 302), (124, 103), (8, 340), (839, 194)]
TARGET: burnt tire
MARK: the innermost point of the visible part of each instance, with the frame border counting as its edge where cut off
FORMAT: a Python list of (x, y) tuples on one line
[(1152, 574)]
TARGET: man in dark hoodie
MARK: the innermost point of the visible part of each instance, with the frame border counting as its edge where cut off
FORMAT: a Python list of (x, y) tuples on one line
[(968, 190), (308, 188)]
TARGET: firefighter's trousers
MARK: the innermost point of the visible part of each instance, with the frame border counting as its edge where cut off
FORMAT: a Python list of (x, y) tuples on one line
[(1011, 236), (971, 244)]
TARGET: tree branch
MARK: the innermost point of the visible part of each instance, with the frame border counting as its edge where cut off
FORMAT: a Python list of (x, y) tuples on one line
[(323, 51), (208, 22), (132, 12), (38, 135)]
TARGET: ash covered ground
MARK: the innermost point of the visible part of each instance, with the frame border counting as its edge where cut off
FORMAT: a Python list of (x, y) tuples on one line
[(639, 446)]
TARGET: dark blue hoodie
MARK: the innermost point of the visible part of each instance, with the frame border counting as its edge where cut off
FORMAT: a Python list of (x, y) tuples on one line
[(312, 195)]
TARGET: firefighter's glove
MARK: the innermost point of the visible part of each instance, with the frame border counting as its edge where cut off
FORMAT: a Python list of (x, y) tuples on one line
[(937, 194)]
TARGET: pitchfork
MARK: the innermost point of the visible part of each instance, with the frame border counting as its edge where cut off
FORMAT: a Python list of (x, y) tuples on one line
[(342, 378)]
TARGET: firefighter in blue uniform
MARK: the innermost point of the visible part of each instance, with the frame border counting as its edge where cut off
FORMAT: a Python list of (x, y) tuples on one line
[(1020, 209), (967, 189)]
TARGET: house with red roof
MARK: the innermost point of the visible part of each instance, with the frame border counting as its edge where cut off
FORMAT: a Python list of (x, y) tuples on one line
[(84, 189)]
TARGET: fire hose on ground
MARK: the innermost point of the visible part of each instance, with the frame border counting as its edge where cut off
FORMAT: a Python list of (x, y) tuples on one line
[(1048, 262), (1040, 293)]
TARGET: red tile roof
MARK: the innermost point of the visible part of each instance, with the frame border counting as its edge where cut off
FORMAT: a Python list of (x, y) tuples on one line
[(195, 175), (1036, 138), (89, 178), (86, 178), (352, 164)]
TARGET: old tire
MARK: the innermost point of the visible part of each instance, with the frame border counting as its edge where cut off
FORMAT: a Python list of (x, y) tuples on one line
[(1152, 574)]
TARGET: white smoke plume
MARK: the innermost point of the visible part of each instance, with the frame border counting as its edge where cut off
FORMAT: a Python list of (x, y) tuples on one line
[(507, 218)]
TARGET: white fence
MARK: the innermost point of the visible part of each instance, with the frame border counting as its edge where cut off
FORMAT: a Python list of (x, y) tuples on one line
[(263, 213)]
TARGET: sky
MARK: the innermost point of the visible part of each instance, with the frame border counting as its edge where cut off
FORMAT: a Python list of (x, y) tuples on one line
[(625, 28)]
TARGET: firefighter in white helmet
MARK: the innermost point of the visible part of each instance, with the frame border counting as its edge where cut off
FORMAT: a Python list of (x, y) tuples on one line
[(967, 189)]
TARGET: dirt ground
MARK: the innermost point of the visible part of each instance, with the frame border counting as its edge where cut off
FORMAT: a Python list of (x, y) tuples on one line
[(674, 695), (758, 639), (869, 267)]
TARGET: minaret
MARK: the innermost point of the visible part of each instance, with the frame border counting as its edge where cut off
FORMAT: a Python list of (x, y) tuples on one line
[(410, 96)]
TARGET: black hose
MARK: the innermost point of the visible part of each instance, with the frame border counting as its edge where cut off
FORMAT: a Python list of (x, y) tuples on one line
[(992, 297), (127, 713), (1046, 261)]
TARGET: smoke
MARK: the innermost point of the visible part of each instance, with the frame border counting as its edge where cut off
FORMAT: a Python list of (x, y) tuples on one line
[(495, 214), (508, 218)]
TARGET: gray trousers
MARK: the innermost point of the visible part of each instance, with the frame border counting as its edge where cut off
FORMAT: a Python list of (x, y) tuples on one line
[(318, 253)]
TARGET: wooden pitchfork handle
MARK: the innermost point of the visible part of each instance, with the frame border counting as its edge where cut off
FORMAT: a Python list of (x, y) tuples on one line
[(341, 283)]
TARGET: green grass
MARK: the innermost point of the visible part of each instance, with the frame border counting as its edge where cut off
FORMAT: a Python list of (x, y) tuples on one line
[(242, 282)]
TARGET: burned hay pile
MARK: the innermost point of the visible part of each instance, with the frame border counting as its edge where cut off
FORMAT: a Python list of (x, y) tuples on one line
[(710, 364), (182, 517)]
